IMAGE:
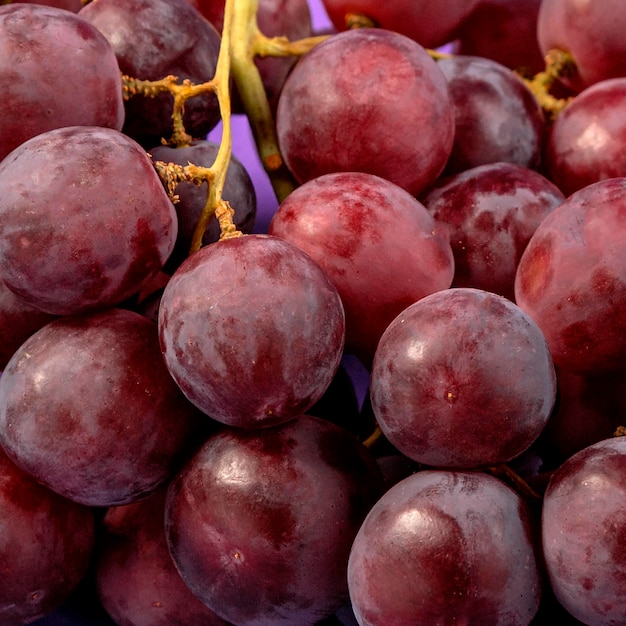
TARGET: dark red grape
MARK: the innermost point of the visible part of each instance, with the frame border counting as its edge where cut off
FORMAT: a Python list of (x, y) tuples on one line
[(136, 578), (260, 523), (583, 528), (85, 221), (504, 31), (252, 330), (153, 39), (587, 141), (571, 279), (238, 191), (443, 547), (56, 70), (497, 118), (367, 100), (89, 409), (46, 544), (462, 379), (431, 23), (69, 5), (375, 241), (591, 31), (491, 211)]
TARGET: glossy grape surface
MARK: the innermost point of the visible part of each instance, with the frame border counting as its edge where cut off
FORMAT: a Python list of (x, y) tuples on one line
[(56, 70), (85, 221), (462, 379), (252, 330), (260, 523), (583, 525), (490, 212), (377, 244), (89, 409), (367, 100), (497, 118), (587, 141), (571, 279), (46, 543), (445, 548), (153, 39)]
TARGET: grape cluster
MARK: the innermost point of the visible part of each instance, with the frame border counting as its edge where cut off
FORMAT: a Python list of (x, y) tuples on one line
[(397, 398)]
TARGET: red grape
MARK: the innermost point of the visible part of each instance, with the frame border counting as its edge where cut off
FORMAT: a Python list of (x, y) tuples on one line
[(367, 100), (587, 141), (443, 547), (491, 212), (462, 379), (583, 526), (46, 543), (56, 70), (85, 221), (571, 279), (260, 522), (89, 409), (252, 330)]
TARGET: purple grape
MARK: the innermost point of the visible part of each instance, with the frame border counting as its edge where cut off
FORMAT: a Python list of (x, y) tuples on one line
[(443, 547), (85, 222), (497, 118), (46, 544), (153, 39), (587, 141), (238, 191), (571, 279), (89, 409), (491, 212), (583, 525), (252, 330), (260, 522), (367, 100), (462, 379), (375, 241), (56, 70)]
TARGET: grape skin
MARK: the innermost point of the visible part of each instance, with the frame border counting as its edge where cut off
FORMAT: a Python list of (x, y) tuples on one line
[(462, 379), (89, 409), (443, 547), (260, 523), (583, 525), (252, 330), (85, 221), (367, 100), (376, 243), (56, 70)]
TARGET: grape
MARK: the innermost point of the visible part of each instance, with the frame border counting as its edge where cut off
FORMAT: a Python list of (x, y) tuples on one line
[(367, 100), (88, 408), (571, 279), (136, 578), (491, 212), (462, 379), (444, 547), (46, 543), (69, 5), (238, 191), (153, 39), (252, 330), (588, 138), (497, 118), (431, 23), (85, 221), (504, 31), (260, 522), (592, 32), (375, 241), (583, 525), (56, 70)]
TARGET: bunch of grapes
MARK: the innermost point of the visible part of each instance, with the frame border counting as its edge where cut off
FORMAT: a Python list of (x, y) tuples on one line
[(392, 396)]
